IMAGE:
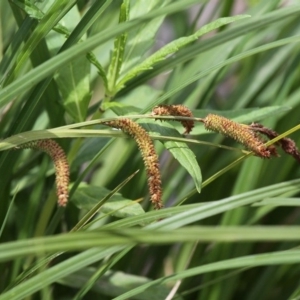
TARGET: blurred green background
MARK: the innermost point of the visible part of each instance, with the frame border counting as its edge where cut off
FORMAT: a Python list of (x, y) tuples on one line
[(67, 64)]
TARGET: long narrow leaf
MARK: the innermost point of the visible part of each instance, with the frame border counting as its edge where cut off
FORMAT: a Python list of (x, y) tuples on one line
[(175, 46)]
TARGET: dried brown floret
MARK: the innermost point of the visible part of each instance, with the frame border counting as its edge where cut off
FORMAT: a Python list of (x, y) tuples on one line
[(240, 133), (288, 145), (148, 153), (176, 110), (62, 173)]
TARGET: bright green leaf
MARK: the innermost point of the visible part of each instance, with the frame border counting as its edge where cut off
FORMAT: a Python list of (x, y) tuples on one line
[(74, 83), (118, 52), (174, 47), (141, 38), (113, 284), (87, 196), (179, 150)]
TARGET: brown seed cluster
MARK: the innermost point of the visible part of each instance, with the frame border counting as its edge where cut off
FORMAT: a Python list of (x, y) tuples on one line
[(288, 145), (176, 110), (62, 173), (240, 133), (148, 153)]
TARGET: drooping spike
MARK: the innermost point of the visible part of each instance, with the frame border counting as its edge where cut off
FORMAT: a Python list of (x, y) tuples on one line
[(148, 153)]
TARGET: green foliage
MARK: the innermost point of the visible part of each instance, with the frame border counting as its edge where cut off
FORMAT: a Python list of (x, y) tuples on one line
[(118, 52), (173, 47), (230, 226)]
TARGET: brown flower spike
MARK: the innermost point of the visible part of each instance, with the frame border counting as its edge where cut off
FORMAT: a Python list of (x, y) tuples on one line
[(176, 110), (287, 145), (240, 133), (148, 153), (61, 165)]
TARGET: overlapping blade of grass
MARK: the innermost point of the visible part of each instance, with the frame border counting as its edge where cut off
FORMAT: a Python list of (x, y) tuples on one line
[(255, 23), (174, 222), (131, 236), (283, 257), (117, 58), (53, 15), (174, 47), (142, 38), (29, 80), (191, 215), (69, 266), (201, 74), (28, 114), (280, 89)]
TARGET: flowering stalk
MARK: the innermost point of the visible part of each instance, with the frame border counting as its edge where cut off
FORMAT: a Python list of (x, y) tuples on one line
[(240, 133), (61, 165), (148, 153), (287, 145), (176, 110)]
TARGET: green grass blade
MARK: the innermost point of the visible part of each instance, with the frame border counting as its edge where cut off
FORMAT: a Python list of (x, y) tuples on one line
[(284, 257), (84, 220), (29, 80), (245, 54), (118, 52), (53, 15), (174, 46), (255, 23)]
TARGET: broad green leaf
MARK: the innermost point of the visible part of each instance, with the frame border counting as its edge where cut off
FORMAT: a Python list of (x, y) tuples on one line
[(73, 79), (179, 150), (174, 47), (113, 284), (99, 204), (118, 52), (74, 84), (87, 196)]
